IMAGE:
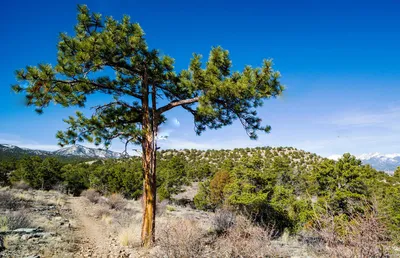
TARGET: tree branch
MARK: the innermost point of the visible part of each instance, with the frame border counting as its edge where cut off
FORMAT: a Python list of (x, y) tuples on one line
[(176, 103), (114, 103), (101, 86)]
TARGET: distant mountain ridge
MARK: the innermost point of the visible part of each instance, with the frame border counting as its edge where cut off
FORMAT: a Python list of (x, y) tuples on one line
[(8, 150), (15, 151), (82, 151), (383, 162)]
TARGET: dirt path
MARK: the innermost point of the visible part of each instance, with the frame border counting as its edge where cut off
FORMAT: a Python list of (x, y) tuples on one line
[(97, 240)]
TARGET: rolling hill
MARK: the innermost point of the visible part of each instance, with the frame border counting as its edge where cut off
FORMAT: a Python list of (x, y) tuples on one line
[(382, 162)]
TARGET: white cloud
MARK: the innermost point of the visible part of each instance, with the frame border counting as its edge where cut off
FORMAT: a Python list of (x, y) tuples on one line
[(176, 122), (335, 156), (386, 117), (164, 133)]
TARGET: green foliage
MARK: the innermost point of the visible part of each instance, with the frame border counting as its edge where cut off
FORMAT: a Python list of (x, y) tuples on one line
[(343, 184), (38, 173), (389, 204), (76, 178), (397, 173), (217, 187), (48, 173), (5, 169), (171, 176), (286, 187), (202, 199), (105, 43), (109, 176), (200, 171), (114, 176)]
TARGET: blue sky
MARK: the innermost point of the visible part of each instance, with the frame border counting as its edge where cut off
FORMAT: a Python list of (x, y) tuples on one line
[(339, 61)]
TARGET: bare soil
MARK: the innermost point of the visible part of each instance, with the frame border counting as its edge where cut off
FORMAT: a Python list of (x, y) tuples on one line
[(97, 240)]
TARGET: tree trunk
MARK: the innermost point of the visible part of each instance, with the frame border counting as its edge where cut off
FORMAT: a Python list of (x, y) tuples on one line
[(149, 148), (149, 191)]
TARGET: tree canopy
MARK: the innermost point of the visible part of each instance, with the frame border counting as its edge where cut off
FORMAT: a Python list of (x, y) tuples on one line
[(100, 45)]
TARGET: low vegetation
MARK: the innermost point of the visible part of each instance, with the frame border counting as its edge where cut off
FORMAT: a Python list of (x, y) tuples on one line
[(256, 197), (92, 195), (37, 223), (14, 220), (363, 235)]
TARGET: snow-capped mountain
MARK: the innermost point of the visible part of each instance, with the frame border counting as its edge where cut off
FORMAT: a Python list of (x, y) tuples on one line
[(82, 151), (72, 151), (383, 162), (13, 150)]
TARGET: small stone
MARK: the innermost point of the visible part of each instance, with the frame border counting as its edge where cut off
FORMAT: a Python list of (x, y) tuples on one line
[(24, 237), (27, 230)]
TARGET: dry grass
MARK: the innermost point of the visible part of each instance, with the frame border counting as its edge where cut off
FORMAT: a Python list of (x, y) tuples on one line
[(44, 209), (180, 238), (108, 219), (130, 236), (170, 208), (116, 201), (362, 236), (102, 211), (61, 201), (161, 207), (14, 220), (92, 195), (8, 201), (21, 185), (223, 220), (244, 239), (241, 238)]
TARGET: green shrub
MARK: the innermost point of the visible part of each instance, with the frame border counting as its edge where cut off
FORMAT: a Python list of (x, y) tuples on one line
[(38, 173), (171, 177), (202, 198), (76, 178), (217, 187)]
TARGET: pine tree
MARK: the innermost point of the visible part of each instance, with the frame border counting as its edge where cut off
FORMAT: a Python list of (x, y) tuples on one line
[(397, 172), (141, 77)]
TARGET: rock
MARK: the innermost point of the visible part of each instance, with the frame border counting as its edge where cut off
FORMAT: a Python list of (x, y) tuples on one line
[(31, 240), (27, 230), (22, 231), (58, 218), (25, 237)]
